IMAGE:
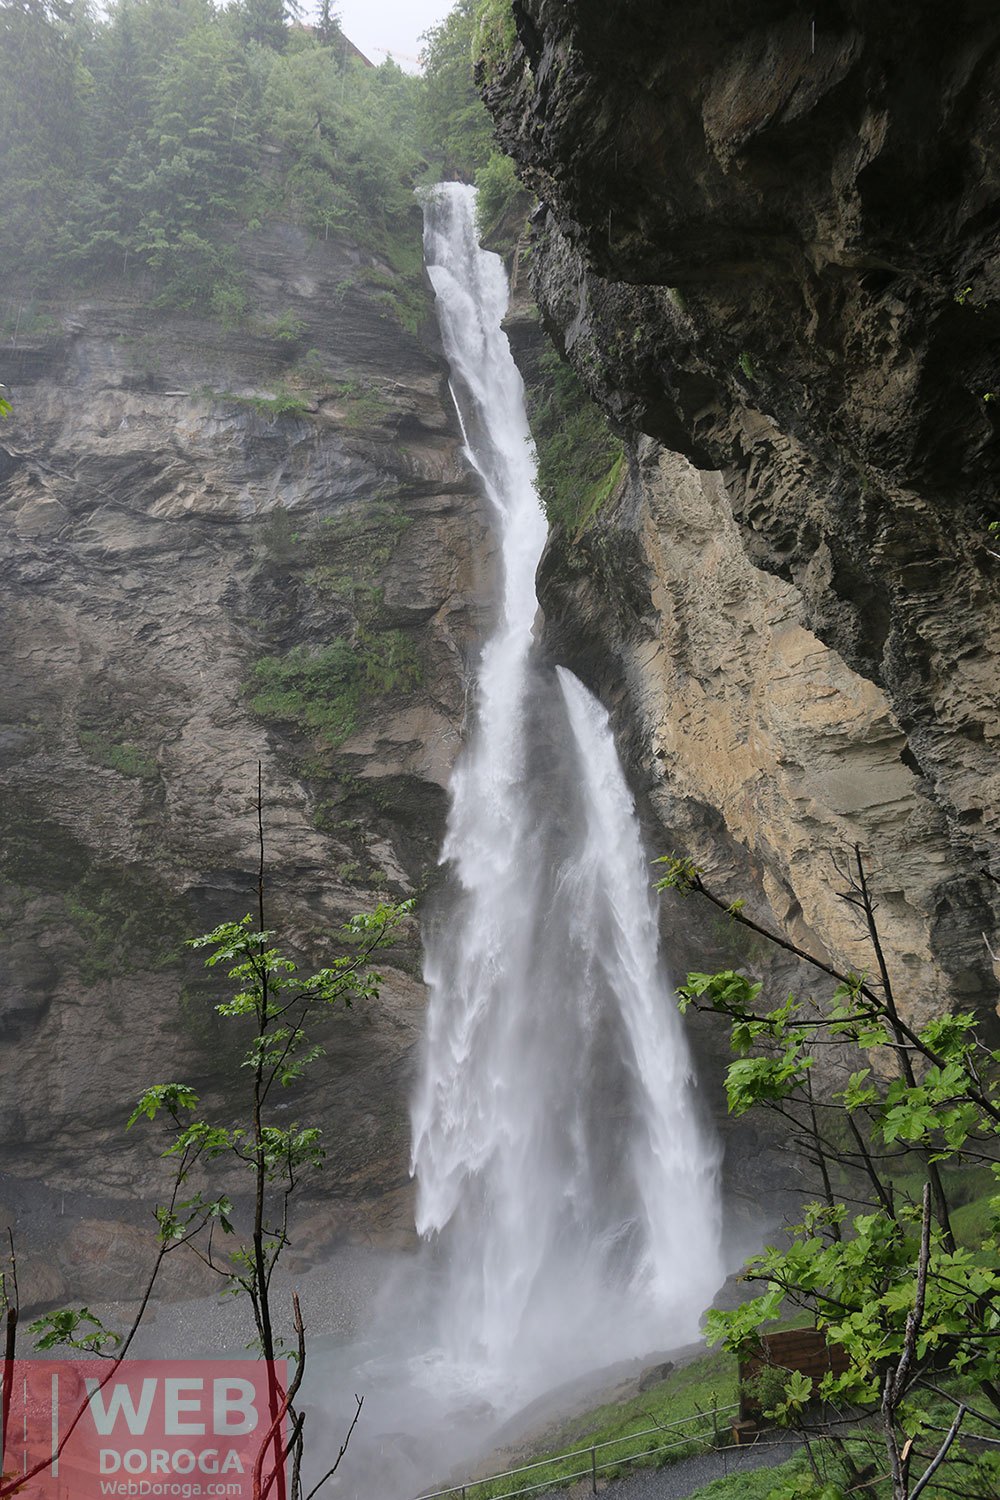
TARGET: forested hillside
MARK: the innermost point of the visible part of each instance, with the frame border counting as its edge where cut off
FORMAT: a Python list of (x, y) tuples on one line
[(144, 141), (140, 145)]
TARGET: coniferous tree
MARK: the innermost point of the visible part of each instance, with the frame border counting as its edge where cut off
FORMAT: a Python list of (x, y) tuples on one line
[(43, 92), (263, 22), (328, 28)]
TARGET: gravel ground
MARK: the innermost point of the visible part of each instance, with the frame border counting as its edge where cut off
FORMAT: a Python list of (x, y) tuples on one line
[(674, 1481)]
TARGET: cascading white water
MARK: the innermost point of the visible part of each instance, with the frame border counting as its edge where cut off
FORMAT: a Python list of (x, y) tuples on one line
[(561, 1169)]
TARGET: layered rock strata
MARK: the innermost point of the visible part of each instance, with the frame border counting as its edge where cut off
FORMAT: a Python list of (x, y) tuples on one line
[(180, 503), (769, 245)]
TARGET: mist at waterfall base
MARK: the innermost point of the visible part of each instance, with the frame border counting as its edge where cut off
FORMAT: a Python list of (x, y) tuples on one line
[(567, 1193)]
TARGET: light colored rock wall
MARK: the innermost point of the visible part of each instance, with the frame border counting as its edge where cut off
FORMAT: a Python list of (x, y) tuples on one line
[(746, 712)]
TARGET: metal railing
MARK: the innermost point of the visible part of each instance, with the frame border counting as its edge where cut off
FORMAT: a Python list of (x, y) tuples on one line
[(701, 1419)]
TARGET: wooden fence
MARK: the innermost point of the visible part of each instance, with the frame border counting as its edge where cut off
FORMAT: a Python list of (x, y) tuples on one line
[(802, 1349)]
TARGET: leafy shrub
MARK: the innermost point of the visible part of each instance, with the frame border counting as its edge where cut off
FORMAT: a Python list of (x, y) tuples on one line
[(230, 303), (287, 327), (495, 36)]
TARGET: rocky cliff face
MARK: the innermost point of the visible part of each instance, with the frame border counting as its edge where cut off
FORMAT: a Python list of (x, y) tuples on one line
[(769, 245), (191, 517)]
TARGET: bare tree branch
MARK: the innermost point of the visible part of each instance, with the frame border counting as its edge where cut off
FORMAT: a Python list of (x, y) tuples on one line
[(360, 1401), (939, 1456), (896, 1381)]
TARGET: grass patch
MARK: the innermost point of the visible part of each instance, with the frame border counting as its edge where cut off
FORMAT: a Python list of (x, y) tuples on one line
[(326, 690), (601, 491), (707, 1382), (970, 1192), (364, 405), (704, 1384), (973, 1222), (121, 756), (400, 296), (284, 402), (753, 1484), (710, 1382)]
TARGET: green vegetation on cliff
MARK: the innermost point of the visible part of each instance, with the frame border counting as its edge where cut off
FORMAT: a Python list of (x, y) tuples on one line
[(325, 690), (117, 755), (111, 920), (579, 458)]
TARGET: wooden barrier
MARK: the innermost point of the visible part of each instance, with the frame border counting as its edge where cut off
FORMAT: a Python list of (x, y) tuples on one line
[(802, 1349)]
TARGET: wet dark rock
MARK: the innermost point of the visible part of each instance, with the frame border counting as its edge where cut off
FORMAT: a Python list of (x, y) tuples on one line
[(771, 252), (168, 524)]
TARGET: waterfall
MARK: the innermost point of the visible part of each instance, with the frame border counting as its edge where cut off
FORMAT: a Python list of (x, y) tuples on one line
[(564, 1181)]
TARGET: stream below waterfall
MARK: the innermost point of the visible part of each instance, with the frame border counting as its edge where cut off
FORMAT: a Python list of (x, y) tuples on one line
[(567, 1191)]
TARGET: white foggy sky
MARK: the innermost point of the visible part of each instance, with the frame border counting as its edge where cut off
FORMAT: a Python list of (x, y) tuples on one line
[(389, 24)]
